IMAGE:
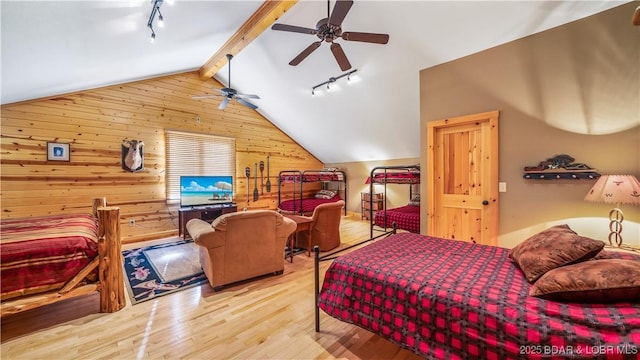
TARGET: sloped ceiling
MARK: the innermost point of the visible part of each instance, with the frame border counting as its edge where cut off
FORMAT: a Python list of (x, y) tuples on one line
[(55, 47)]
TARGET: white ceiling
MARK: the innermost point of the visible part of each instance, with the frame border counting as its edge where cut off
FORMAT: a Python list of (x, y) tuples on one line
[(55, 47)]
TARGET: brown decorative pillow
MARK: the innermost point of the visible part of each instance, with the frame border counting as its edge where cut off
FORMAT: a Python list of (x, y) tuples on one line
[(552, 248), (325, 194), (600, 281)]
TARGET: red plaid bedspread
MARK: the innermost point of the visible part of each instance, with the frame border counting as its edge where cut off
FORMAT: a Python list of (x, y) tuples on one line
[(41, 254), (312, 176), (405, 177), (445, 299), (406, 218), (308, 204)]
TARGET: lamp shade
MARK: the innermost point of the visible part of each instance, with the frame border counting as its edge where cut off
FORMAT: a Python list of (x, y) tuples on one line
[(615, 189)]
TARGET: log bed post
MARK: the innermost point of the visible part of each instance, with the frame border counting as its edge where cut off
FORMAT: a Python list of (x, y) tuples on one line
[(110, 274)]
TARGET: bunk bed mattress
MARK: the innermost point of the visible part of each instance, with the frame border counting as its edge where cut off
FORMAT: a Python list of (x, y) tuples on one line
[(41, 254), (411, 177), (308, 204), (452, 299), (313, 176), (405, 217)]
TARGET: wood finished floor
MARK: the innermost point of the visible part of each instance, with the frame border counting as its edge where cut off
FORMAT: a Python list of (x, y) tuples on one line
[(269, 318)]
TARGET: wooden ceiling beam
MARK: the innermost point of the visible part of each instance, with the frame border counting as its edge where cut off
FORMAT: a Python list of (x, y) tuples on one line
[(262, 19)]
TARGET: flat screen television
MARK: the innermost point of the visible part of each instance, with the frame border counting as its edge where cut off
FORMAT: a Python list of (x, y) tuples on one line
[(205, 190)]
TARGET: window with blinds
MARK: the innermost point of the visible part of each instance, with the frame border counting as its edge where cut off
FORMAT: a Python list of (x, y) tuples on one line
[(196, 155)]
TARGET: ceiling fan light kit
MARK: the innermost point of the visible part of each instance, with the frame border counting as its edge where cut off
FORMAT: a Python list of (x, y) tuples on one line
[(328, 30), (332, 80), (229, 93)]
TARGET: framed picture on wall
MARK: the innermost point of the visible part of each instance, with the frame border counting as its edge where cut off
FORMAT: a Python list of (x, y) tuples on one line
[(58, 151)]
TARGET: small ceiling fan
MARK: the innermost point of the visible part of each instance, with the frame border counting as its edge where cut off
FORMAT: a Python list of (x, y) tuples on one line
[(229, 93), (330, 29)]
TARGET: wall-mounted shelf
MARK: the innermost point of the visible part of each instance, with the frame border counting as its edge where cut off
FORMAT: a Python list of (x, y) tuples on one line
[(555, 174), (560, 167)]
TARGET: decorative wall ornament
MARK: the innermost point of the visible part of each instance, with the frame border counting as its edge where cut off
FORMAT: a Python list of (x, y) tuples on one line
[(133, 155), (58, 151)]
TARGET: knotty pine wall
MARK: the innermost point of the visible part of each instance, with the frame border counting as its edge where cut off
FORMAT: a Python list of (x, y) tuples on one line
[(95, 122)]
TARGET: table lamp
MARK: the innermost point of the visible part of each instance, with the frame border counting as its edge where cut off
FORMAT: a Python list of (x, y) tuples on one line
[(615, 189)]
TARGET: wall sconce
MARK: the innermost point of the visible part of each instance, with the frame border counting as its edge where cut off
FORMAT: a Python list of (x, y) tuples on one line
[(615, 189), (155, 11), (332, 80)]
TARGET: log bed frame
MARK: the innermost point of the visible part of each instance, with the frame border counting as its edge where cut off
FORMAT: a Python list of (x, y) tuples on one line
[(110, 282)]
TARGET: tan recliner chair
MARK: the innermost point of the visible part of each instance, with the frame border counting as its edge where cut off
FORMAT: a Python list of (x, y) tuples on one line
[(242, 245), (325, 227)]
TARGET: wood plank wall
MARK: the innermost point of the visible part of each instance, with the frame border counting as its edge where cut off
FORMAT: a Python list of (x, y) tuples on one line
[(95, 122)]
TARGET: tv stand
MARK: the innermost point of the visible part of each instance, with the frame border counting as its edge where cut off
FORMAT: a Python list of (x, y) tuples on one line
[(206, 213)]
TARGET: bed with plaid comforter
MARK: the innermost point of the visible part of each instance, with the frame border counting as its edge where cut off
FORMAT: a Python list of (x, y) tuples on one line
[(307, 205), (445, 299), (42, 254), (405, 217), (396, 177)]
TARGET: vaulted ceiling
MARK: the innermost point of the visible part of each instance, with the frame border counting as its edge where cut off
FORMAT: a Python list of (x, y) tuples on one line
[(56, 47)]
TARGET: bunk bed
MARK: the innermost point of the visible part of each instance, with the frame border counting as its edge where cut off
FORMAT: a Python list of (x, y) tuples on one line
[(405, 217), (298, 203), (56, 257), (449, 299)]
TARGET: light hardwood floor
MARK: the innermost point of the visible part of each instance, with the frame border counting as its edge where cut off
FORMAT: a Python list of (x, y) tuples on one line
[(269, 318)]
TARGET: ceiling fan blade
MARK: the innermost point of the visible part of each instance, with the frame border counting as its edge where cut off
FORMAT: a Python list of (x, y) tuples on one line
[(311, 48), (365, 37), (340, 56), (223, 104), (293, 28), (247, 96), (636, 17), (197, 97), (340, 10), (246, 103)]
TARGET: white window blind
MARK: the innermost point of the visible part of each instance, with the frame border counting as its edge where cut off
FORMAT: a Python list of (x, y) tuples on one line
[(197, 154)]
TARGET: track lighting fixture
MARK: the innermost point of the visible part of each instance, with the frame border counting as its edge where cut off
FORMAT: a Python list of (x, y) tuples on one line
[(155, 10), (332, 80)]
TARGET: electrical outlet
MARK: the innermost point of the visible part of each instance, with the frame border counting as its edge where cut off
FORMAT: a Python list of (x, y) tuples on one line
[(132, 222)]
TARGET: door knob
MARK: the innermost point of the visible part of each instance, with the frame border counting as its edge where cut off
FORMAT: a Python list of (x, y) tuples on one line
[(485, 202)]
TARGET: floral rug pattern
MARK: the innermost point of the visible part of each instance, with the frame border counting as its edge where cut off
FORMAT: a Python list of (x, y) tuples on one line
[(144, 283)]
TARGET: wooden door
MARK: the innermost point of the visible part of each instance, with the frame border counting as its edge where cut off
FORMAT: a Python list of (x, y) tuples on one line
[(462, 178)]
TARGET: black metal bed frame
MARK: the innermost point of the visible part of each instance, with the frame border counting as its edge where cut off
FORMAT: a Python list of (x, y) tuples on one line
[(376, 169), (342, 188), (331, 256)]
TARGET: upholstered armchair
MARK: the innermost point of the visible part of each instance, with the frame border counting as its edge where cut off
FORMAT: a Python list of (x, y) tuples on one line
[(325, 227), (242, 245)]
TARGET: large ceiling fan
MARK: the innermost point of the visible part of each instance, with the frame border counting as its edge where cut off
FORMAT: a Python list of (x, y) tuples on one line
[(229, 93), (329, 29)]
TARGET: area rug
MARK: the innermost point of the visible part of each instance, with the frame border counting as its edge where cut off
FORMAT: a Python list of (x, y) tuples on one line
[(162, 269)]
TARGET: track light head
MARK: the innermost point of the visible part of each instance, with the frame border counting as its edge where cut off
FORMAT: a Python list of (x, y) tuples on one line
[(155, 10)]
